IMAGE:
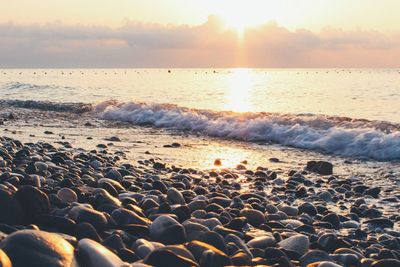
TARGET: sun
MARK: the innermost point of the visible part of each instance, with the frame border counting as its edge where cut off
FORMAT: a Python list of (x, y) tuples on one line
[(239, 15), (238, 21), (237, 25)]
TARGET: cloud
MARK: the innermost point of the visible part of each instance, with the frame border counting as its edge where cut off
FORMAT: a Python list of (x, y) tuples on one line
[(207, 45)]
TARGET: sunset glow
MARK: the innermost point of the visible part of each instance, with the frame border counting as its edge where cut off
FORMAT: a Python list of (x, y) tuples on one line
[(240, 16), (189, 33)]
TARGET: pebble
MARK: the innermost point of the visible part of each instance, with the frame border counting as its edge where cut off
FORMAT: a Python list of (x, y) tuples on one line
[(37, 248), (124, 216), (214, 239), (333, 219), (86, 230), (194, 230), (143, 247), (350, 224), (313, 256), (4, 259), (207, 255), (254, 217), (320, 167), (163, 257), (373, 192), (217, 162), (114, 174), (167, 230), (329, 242), (33, 201), (348, 251), (380, 222), (96, 164), (325, 196), (290, 211), (308, 208), (175, 196), (41, 166), (93, 254), (346, 259), (84, 214), (325, 264), (67, 195), (386, 263), (299, 243), (273, 253), (11, 211), (262, 242), (113, 139)]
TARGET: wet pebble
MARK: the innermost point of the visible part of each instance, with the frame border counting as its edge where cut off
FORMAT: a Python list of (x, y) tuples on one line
[(313, 256), (175, 196), (37, 248), (92, 254), (167, 230), (299, 243), (67, 195), (85, 214)]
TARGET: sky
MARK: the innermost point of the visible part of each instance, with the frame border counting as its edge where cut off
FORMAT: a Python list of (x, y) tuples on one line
[(199, 33)]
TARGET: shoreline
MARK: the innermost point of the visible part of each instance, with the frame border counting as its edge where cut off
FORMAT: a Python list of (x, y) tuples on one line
[(114, 206)]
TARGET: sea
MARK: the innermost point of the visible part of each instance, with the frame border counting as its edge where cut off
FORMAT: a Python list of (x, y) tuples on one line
[(351, 115)]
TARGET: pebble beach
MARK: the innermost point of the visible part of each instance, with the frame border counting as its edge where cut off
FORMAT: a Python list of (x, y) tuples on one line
[(64, 205)]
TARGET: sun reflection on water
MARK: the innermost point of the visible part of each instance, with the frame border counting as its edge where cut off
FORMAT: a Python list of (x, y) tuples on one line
[(240, 86), (228, 156)]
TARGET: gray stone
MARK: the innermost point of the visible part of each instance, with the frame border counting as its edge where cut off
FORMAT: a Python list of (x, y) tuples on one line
[(320, 167), (290, 211), (325, 196), (41, 166), (114, 174), (175, 196), (167, 230), (299, 243), (67, 195), (254, 217)]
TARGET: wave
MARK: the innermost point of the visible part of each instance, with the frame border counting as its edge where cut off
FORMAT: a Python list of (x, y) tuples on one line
[(11, 86), (335, 135), (48, 106), (342, 136)]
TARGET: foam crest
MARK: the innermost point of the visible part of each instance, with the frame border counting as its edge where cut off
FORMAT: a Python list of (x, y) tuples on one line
[(336, 135)]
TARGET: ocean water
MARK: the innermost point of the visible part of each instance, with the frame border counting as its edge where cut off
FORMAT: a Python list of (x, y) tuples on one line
[(346, 112)]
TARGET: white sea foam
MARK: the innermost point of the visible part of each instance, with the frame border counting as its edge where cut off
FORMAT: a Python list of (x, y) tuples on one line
[(336, 135)]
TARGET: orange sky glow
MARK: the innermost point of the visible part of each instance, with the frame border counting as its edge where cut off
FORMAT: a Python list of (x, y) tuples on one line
[(188, 33)]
